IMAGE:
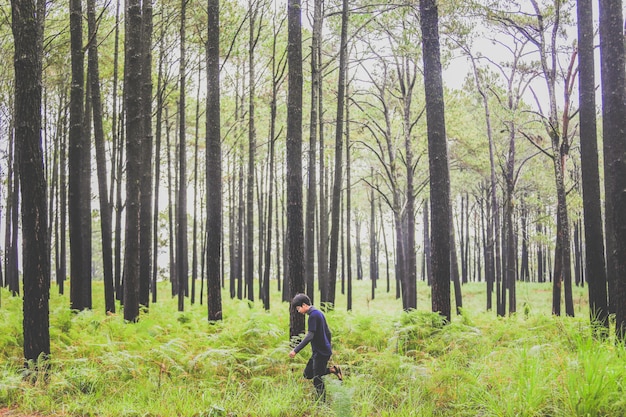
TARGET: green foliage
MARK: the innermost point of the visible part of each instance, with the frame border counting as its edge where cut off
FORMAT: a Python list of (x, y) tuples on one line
[(395, 363)]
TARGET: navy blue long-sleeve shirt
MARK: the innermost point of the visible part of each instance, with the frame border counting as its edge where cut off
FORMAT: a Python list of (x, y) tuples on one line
[(318, 334)]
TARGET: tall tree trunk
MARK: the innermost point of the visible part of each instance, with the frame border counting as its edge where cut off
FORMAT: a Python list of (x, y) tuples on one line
[(196, 192), (384, 234), (373, 254), (525, 263), (27, 25), (407, 80), (323, 216), (328, 295), (116, 165), (311, 201), (249, 235), (349, 207), (161, 87), (280, 238), (595, 266), (213, 165), (438, 159), (492, 242), (614, 128), (79, 173), (134, 135), (241, 210), (232, 233), (61, 264), (171, 188), (13, 224), (145, 210), (508, 281), (295, 226), (53, 177), (106, 222), (181, 206), (278, 74), (454, 269), (428, 275)]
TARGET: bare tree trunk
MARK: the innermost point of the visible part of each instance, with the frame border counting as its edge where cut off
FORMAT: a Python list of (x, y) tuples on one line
[(349, 207), (323, 216), (407, 74), (373, 253), (134, 133), (27, 60), (314, 126), (328, 294), (438, 159), (614, 125), (454, 269), (232, 233), (213, 166), (384, 235), (12, 231), (171, 189), (196, 193), (181, 206), (145, 210), (116, 164), (53, 177), (595, 265), (240, 234), (61, 218), (278, 75), (492, 242), (106, 222), (79, 173), (295, 227), (161, 86), (249, 235), (427, 249)]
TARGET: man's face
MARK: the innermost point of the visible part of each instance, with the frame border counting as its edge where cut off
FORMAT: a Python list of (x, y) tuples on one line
[(302, 309)]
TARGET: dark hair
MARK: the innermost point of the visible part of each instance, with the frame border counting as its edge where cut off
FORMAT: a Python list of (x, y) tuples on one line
[(300, 299)]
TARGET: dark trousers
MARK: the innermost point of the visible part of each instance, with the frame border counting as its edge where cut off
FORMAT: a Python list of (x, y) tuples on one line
[(315, 369)]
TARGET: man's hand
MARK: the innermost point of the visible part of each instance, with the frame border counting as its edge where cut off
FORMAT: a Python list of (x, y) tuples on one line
[(292, 354)]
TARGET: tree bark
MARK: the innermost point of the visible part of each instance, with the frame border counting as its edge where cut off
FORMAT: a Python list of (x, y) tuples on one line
[(79, 173), (145, 210), (314, 126), (134, 135), (454, 269), (117, 165), (328, 294), (61, 264), (438, 159), (295, 226), (161, 87), (249, 235), (213, 165), (612, 62), (181, 200), (196, 192), (595, 265), (278, 74), (106, 223), (27, 25)]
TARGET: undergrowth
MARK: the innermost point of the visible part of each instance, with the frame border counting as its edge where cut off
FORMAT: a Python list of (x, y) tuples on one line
[(395, 363)]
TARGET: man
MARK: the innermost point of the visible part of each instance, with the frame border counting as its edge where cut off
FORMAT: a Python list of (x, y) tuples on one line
[(318, 334)]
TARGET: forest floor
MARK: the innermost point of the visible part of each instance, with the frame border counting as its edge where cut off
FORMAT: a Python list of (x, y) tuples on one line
[(7, 412)]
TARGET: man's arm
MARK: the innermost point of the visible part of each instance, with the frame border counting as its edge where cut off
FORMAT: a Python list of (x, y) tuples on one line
[(307, 339)]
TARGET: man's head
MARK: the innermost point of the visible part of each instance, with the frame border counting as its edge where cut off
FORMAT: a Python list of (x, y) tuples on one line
[(301, 302)]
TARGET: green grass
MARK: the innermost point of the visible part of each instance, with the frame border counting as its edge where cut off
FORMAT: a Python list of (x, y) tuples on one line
[(394, 363)]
